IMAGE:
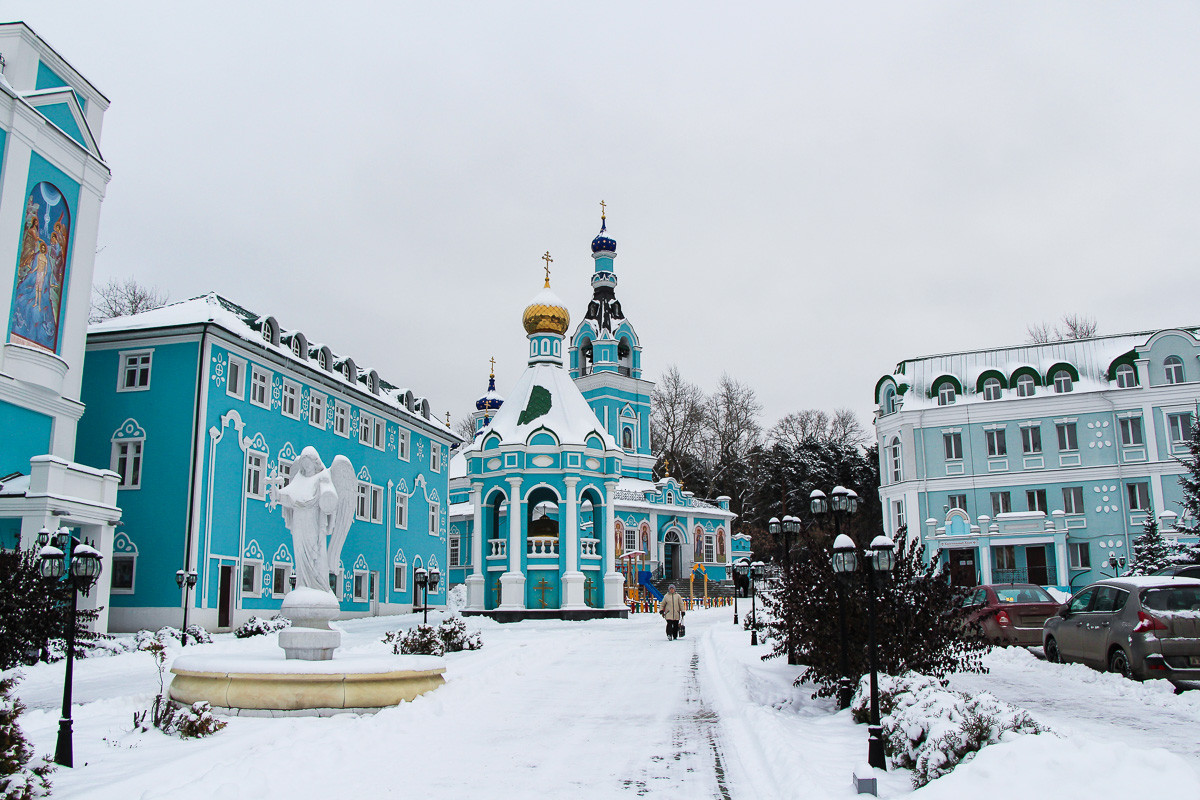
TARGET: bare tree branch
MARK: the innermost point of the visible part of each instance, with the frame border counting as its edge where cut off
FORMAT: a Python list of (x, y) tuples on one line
[(119, 298)]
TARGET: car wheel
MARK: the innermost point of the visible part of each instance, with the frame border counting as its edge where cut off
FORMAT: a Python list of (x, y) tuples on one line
[(1118, 662), (1051, 651)]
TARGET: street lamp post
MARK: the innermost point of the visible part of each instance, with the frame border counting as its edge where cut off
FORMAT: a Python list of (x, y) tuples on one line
[(421, 579), (787, 527), (79, 572), (740, 567), (435, 575), (882, 559), (188, 580), (845, 562), (755, 569)]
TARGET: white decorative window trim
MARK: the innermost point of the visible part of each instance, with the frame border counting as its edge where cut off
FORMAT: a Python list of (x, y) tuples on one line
[(277, 590), (401, 517), (1066, 420), (316, 409), (403, 441), (291, 391), (260, 376), (123, 375), (341, 420), (259, 491), (1031, 423), (238, 391)]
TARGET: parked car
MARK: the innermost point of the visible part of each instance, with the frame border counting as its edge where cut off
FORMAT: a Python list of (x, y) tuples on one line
[(1010, 613), (1145, 627), (1182, 571)]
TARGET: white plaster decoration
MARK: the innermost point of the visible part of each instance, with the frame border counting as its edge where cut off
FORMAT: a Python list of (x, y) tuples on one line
[(614, 583), (512, 582), (572, 579)]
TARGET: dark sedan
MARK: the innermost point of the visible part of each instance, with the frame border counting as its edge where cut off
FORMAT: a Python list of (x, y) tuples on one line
[(1010, 613)]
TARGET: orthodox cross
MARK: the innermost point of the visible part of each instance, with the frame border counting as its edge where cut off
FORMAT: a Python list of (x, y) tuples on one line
[(493, 360), (601, 209), (589, 587), (548, 261), (666, 467), (496, 589), (541, 586), (447, 419)]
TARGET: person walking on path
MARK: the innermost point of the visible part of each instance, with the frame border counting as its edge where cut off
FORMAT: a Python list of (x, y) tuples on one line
[(672, 611)]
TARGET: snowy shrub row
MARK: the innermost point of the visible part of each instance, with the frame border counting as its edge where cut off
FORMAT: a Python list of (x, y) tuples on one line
[(191, 722), (257, 626), (451, 636), (18, 780), (931, 730)]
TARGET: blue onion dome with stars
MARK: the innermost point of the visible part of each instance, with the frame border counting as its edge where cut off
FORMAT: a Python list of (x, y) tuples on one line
[(602, 243), (492, 400)]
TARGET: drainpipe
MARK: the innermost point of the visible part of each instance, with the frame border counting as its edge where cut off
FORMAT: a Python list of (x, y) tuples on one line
[(201, 379)]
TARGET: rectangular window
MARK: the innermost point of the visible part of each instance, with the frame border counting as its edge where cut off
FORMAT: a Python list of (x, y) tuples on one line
[(1081, 555), (135, 371), (260, 387), (1073, 499), (402, 445), (235, 380), (953, 445), (316, 410), (376, 504), (285, 471), (254, 474), (1139, 496), (455, 552), (957, 501), (341, 426), (399, 576), (127, 462), (280, 578), (1036, 499), (710, 553), (1005, 556), (1031, 440), (333, 584), (996, 444), (1131, 431), (360, 586), (362, 509), (1001, 503), (290, 405), (898, 513), (435, 457), (401, 509), (250, 578), (378, 433), (433, 519), (1179, 427), (122, 574), (1066, 436), (364, 429)]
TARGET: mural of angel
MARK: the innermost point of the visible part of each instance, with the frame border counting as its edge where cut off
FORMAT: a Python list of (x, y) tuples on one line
[(318, 507), (41, 268)]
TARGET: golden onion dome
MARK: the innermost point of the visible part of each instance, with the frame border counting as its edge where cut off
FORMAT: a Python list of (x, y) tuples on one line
[(546, 313)]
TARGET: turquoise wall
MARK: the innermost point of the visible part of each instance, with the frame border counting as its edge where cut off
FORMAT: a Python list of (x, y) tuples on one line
[(60, 114), (49, 79), (26, 434)]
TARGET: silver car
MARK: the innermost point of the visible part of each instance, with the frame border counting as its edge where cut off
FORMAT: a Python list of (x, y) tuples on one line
[(1145, 627)]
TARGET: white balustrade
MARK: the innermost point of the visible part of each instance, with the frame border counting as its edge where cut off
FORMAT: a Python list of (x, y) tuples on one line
[(542, 546), (587, 548), (497, 548)]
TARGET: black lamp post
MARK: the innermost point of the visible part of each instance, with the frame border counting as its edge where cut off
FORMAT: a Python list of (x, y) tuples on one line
[(79, 572), (185, 579), (788, 527), (435, 575), (845, 562), (421, 579), (844, 502), (741, 568), (882, 559), (754, 570)]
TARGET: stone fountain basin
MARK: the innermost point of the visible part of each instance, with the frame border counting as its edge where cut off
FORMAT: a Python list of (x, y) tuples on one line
[(270, 685)]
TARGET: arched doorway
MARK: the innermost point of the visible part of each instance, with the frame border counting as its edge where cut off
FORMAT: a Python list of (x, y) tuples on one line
[(672, 556), (595, 541)]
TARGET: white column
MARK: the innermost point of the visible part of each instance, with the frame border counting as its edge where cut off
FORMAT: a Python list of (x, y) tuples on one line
[(614, 583), (512, 583), (475, 582), (656, 548), (572, 578), (1061, 563)]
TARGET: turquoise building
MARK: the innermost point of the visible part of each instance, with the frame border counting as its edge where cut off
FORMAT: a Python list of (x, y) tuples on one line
[(196, 406), (553, 506), (1039, 462), (52, 182)]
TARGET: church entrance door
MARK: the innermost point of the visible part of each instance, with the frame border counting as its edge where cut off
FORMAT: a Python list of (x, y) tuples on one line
[(669, 551)]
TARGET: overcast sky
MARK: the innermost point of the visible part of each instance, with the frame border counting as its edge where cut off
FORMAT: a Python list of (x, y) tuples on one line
[(802, 196)]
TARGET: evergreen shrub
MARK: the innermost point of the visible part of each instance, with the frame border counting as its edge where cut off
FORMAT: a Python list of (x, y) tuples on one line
[(18, 780), (257, 626)]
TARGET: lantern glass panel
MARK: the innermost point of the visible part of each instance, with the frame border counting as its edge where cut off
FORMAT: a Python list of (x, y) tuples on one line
[(819, 505), (51, 567), (883, 559)]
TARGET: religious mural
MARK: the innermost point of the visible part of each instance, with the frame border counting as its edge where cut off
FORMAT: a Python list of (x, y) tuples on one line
[(41, 268), (645, 538), (699, 550), (720, 545), (618, 539)]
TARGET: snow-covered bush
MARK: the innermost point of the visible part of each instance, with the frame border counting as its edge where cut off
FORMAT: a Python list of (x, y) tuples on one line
[(18, 780), (456, 637), (191, 722), (420, 640), (456, 598), (931, 730), (257, 626)]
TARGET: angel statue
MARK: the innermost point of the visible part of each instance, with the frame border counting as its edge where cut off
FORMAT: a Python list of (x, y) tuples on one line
[(318, 507)]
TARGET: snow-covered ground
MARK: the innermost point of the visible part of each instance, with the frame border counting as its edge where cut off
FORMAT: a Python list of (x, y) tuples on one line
[(603, 709)]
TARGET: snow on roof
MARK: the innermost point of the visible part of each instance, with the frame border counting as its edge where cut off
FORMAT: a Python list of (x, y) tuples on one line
[(245, 324), (1151, 581), (570, 417)]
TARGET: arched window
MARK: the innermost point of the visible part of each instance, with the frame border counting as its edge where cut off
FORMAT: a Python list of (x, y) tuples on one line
[(268, 336), (991, 389), (297, 347), (1174, 367), (946, 394), (1126, 377), (322, 360), (585, 359), (627, 438), (1026, 386), (897, 463), (624, 357), (1063, 382), (889, 401)]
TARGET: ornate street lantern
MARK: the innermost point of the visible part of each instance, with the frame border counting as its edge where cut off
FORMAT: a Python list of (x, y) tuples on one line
[(883, 554), (817, 502), (845, 555)]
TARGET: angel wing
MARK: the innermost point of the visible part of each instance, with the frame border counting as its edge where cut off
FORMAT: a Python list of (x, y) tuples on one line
[(345, 482)]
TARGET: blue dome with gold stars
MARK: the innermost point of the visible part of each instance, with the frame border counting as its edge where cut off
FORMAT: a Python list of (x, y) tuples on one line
[(602, 243), (492, 400)]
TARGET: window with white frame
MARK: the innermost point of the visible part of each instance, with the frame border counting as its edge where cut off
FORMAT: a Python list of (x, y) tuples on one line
[(251, 577), (1126, 376), (1063, 382), (400, 577), (298, 348), (364, 429), (1131, 431), (281, 575), (360, 585), (369, 505), (957, 501), (316, 409), (946, 395), (378, 433), (260, 387), (897, 461), (455, 552), (135, 371), (889, 401), (953, 445), (434, 514), (1179, 427), (127, 462), (124, 567), (341, 419), (1026, 386), (992, 389), (376, 504), (402, 445), (1031, 439), (401, 510), (285, 471), (1067, 440), (898, 514), (1001, 503), (1139, 496), (255, 470), (1035, 500), (631, 542), (290, 406), (1005, 556), (1080, 555), (710, 550), (1173, 366), (322, 360), (235, 380), (435, 457), (997, 444), (1073, 499)]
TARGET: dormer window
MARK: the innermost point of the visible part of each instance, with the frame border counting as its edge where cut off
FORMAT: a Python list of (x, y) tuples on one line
[(1025, 386), (268, 337), (946, 395), (297, 348), (1126, 377), (1174, 369), (991, 389), (1063, 382), (322, 360)]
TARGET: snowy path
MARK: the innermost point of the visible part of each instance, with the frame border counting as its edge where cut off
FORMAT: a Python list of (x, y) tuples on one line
[(1074, 699)]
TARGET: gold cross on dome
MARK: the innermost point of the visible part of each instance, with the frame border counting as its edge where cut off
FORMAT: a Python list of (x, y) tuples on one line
[(543, 586), (548, 261), (602, 209), (447, 419), (493, 360)]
